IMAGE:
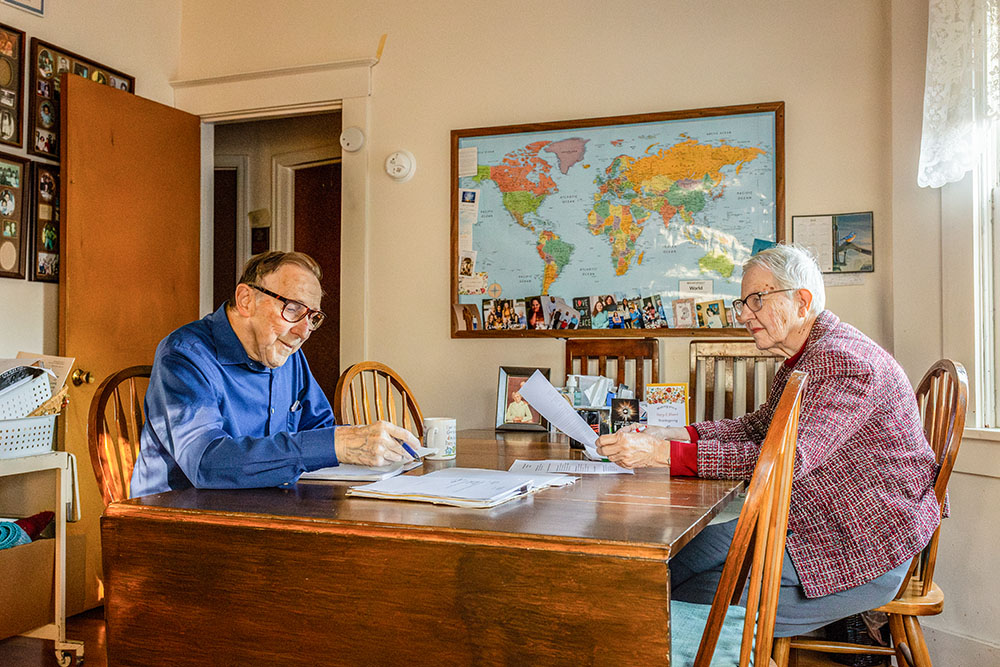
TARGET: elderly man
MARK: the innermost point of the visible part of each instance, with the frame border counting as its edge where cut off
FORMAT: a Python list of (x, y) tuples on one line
[(862, 500), (231, 402)]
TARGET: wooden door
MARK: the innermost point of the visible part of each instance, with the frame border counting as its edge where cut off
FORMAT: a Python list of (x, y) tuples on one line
[(130, 244), (317, 233)]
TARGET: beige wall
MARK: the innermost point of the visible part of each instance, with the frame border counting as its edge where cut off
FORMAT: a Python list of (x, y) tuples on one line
[(141, 39), (451, 65)]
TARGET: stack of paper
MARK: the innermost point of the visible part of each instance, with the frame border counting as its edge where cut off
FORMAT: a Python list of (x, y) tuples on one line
[(346, 472), (461, 487)]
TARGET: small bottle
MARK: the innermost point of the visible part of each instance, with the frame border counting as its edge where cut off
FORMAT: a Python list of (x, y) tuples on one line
[(571, 391)]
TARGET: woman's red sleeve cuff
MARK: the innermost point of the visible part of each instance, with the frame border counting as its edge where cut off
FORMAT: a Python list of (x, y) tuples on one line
[(692, 433), (683, 458)]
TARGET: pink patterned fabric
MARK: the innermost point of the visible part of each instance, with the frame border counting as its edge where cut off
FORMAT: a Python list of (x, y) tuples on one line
[(863, 492)]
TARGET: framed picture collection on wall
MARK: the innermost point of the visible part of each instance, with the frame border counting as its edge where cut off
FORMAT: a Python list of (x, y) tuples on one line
[(48, 63)]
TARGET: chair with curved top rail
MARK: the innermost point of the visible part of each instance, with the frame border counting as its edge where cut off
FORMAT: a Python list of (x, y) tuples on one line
[(369, 391), (113, 427), (942, 396)]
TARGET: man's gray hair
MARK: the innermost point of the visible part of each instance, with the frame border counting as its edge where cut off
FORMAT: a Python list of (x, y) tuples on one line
[(793, 266)]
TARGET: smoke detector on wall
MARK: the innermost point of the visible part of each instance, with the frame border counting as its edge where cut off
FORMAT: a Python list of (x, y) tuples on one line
[(351, 139)]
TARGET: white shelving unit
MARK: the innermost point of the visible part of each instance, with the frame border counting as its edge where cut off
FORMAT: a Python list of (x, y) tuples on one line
[(66, 508)]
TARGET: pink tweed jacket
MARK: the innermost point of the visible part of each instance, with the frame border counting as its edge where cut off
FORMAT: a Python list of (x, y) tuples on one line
[(863, 489)]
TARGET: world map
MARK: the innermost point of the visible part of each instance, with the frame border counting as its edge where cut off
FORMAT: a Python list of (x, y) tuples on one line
[(627, 209)]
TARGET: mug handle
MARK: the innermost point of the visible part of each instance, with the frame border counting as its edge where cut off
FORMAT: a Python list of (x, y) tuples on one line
[(428, 437)]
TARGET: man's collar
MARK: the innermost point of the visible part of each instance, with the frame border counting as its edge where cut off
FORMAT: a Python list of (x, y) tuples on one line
[(228, 348)]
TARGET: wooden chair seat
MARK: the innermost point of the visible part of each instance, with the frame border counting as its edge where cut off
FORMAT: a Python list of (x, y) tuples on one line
[(114, 425), (369, 391), (913, 603)]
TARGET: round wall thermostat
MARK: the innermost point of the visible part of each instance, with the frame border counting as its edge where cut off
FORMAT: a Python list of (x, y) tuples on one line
[(351, 139), (400, 165)]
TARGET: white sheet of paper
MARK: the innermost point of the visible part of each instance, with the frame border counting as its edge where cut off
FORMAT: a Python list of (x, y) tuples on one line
[(543, 397), (816, 233), (468, 161), (565, 467), (61, 366)]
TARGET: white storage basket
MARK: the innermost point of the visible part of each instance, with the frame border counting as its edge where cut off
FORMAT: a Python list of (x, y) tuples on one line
[(20, 435)]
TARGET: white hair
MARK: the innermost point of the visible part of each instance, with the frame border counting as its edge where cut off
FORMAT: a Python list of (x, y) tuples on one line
[(793, 267)]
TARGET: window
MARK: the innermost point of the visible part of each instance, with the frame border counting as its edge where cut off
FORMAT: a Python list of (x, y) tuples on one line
[(987, 210)]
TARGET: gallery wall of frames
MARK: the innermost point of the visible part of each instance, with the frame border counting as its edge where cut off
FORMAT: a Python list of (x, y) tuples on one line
[(30, 82)]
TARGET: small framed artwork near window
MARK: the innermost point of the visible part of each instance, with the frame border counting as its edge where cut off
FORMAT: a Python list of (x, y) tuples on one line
[(13, 232), (44, 218), (513, 412)]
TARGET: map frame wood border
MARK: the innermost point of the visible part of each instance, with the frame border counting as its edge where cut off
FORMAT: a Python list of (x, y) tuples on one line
[(777, 108)]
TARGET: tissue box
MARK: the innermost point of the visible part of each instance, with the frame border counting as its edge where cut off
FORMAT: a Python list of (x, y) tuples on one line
[(26, 598)]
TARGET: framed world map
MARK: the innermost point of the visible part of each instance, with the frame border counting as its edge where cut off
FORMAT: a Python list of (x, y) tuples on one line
[(599, 225)]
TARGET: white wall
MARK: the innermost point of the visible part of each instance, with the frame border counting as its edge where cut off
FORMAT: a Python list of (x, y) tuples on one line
[(141, 39), (450, 64)]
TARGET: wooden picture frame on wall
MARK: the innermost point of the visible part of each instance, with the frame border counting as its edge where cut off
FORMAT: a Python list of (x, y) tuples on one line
[(13, 205), (48, 62), (638, 206), (11, 85), (44, 222)]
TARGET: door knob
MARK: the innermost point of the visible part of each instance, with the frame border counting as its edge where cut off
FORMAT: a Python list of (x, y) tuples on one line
[(80, 377)]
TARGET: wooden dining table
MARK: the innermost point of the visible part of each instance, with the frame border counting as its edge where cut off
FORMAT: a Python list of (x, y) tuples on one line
[(303, 575)]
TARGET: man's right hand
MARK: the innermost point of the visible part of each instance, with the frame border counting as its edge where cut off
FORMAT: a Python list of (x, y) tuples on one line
[(375, 444)]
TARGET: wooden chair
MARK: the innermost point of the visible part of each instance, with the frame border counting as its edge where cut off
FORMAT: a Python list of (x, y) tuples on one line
[(113, 427), (622, 352), (941, 396), (369, 381), (758, 549), (729, 378)]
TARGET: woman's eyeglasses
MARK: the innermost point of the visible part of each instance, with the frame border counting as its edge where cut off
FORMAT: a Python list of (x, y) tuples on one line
[(755, 301)]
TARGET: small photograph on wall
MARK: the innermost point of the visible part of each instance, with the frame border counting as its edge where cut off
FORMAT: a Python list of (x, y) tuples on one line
[(44, 218), (13, 232), (842, 243), (11, 85)]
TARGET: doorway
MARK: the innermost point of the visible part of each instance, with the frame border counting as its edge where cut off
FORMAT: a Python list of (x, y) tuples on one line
[(291, 201)]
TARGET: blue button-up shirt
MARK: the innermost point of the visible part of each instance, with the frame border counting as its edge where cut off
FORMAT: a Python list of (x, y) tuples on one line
[(215, 418)]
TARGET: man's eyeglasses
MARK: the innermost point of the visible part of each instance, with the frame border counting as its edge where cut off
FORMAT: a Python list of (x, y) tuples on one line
[(294, 311), (755, 301)]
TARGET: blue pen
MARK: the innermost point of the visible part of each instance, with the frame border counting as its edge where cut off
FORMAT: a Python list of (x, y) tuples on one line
[(409, 450)]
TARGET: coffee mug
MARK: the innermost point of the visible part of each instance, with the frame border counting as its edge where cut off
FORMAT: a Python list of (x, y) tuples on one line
[(439, 435)]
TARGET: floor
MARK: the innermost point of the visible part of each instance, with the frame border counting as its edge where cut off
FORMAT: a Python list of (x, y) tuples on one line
[(89, 627)]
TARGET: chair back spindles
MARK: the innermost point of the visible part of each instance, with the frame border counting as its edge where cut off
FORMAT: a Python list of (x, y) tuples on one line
[(383, 395), (114, 425), (728, 378), (624, 354)]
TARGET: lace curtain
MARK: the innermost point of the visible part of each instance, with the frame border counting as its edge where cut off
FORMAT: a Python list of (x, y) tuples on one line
[(961, 89)]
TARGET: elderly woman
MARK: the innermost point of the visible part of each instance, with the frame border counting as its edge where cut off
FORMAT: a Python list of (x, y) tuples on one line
[(862, 501)]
